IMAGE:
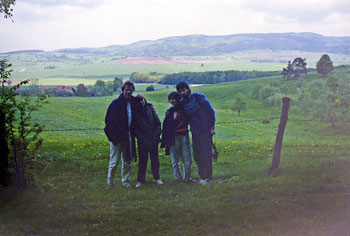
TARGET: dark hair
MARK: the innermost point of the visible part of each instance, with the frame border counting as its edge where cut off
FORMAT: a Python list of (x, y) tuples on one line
[(183, 85), (174, 95), (128, 83)]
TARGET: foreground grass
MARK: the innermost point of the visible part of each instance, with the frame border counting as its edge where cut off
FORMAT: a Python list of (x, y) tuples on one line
[(309, 197)]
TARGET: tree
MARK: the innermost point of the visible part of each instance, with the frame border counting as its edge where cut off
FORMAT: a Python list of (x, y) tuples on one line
[(288, 72), (100, 84), (82, 91), (296, 68), (299, 67), (6, 7), (21, 133), (150, 88), (117, 83), (325, 65), (239, 105)]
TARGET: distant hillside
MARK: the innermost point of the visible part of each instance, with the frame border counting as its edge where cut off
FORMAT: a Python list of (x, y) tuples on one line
[(203, 45), (23, 51)]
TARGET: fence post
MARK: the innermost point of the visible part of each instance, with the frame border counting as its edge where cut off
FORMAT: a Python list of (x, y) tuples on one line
[(281, 127)]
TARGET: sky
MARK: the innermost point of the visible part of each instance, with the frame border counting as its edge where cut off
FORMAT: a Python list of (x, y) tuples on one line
[(55, 24)]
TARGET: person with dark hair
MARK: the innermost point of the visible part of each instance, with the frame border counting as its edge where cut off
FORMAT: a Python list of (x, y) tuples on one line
[(175, 138), (120, 122), (147, 130), (201, 118)]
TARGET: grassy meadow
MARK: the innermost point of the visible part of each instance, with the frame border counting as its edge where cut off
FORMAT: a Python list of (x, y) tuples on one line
[(309, 196)]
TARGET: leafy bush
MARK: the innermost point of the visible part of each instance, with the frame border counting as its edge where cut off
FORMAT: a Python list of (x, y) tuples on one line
[(20, 132)]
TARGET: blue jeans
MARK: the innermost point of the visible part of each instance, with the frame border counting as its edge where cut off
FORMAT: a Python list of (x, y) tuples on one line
[(116, 154), (181, 150), (202, 151)]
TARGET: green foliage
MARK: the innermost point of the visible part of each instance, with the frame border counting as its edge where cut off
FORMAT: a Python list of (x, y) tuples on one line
[(288, 72), (325, 65), (256, 90), (150, 88), (296, 68), (213, 77), (117, 84), (239, 104), (22, 133), (266, 95), (82, 91), (101, 89), (151, 77), (100, 84), (6, 7)]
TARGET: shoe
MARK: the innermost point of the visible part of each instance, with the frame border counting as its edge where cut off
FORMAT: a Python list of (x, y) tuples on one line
[(203, 182), (190, 180), (158, 181), (126, 185), (139, 184)]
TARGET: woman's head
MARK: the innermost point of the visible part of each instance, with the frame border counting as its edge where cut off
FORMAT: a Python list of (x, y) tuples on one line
[(174, 98)]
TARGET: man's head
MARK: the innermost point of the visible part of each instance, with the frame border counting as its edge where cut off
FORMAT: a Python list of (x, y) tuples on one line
[(183, 89), (127, 89), (174, 98)]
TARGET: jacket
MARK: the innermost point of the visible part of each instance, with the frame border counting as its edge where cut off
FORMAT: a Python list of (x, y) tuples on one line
[(117, 130), (148, 126)]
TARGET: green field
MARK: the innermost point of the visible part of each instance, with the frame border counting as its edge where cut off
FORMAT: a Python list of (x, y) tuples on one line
[(62, 68), (309, 196)]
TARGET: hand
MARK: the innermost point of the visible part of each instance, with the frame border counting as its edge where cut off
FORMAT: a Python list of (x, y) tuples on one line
[(175, 115), (212, 131)]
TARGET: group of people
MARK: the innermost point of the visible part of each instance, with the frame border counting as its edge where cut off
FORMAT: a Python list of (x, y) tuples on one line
[(130, 118)]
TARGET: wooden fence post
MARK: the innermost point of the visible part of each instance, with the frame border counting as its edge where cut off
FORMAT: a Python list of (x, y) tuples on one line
[(281, 127)]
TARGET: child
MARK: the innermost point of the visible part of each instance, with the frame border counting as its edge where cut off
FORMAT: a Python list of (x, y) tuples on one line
[(148, 130), (175, 138)]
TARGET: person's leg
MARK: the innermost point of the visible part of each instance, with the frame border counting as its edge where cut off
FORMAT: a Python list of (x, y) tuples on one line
[(202, 154), (196, 146), (154, 161), (175, 156), (143, 158), (115, 153), (206, 159), (186, 156), (126, 170)]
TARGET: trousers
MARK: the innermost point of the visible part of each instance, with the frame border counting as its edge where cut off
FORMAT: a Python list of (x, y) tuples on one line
[(116, 153)]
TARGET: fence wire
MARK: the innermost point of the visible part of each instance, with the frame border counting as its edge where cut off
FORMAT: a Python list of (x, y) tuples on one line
[(86, 171)]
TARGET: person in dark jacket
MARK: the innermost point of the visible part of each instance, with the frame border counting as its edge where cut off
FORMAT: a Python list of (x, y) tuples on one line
[(201, 117), (148, 130), (175, 138), (119, 130)]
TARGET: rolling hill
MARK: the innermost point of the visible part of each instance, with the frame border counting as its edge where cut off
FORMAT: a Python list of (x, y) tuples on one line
[(205, 45)]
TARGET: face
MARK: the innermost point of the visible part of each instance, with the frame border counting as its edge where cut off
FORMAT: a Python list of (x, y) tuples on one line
[(143, 102), (184, 92), (172, 101), (127, 92)]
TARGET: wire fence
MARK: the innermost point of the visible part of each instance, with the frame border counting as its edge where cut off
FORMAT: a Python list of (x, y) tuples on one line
[(301, 150)]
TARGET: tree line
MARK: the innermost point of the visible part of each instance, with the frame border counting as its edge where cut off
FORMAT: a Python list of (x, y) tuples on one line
[(208, 77)]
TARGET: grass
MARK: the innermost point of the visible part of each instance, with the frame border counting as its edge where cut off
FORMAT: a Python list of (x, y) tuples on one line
[(309, 196)]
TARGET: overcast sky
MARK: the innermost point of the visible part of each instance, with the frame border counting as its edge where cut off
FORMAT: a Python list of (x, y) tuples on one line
[(55, 24)]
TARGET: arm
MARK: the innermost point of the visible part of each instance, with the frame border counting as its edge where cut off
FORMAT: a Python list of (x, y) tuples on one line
[(209, 110)]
